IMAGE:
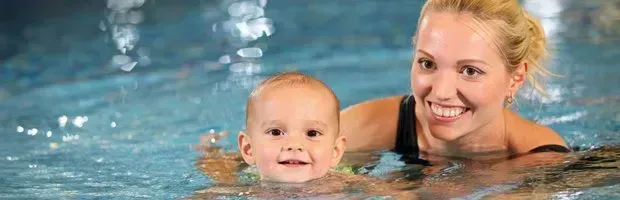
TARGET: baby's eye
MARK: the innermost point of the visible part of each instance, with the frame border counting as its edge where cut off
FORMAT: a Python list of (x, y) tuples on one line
[(275, 132), (313, 133)]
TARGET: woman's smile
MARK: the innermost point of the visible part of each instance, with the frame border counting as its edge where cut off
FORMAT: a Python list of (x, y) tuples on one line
[(446, 113)]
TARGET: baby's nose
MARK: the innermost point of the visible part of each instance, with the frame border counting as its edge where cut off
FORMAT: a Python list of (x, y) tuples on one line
[(293, 149), (293, 145)]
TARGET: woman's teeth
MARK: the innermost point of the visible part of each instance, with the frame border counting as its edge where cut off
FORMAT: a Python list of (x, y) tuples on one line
[(447, 112)]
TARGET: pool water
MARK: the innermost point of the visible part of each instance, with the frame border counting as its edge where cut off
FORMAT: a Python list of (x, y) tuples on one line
[(80, 120)]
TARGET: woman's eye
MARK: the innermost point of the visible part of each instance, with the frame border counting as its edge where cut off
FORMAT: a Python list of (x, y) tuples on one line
[(313, 133), (426, 64), (471, 71), (275, 132)]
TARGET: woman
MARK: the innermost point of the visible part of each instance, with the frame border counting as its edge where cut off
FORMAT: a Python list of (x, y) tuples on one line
[(471, 58)]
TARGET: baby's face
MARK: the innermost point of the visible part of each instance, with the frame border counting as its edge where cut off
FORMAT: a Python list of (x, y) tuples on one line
[(293, 134)]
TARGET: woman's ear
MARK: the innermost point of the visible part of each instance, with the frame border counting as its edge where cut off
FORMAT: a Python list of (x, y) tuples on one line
[(517, 78), (245, 147), (339, 148)]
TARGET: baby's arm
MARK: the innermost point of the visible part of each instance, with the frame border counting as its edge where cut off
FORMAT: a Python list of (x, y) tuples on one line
[(221, 166)]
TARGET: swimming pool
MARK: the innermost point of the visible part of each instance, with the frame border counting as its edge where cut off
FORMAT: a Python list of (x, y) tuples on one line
[(78, 124)]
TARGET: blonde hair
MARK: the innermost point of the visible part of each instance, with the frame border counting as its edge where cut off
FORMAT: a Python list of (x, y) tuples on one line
[(518, 36)]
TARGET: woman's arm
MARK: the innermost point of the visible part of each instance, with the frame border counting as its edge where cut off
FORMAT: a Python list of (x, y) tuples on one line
[(370, 125)]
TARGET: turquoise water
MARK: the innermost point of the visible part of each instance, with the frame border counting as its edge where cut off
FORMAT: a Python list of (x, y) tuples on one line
[(75, 125)]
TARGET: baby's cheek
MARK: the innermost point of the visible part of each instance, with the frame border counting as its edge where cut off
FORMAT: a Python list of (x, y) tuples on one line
[(266, 162), (262, 154), (269, 153), (323, 155)]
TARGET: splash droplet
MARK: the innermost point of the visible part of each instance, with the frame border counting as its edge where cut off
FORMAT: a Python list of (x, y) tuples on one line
[(247, 68), (62, 121), (120, 60), (79, 121), (252, 52), (33, 131), (225, 59), (261, 26), (135, 17), (262, 3), (102, 26), (128, 66)]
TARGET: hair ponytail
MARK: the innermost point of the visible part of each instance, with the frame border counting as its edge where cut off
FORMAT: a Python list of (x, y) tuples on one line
[(536, 53)]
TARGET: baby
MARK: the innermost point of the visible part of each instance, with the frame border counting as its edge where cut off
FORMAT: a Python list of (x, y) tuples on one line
[(292, 129), (292, 136)]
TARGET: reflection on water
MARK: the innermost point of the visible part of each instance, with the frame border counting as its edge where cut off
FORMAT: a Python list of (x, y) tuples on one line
[(122, 20), (233, 178), (332, 186), (597, 169), (461, 179), (74, 126)]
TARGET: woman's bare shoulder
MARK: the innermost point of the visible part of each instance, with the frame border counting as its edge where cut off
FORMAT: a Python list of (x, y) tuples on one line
[(525, 135), (370, 125)]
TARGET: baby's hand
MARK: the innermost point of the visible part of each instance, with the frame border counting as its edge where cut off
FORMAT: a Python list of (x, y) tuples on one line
[(219, 165), (208, 141)]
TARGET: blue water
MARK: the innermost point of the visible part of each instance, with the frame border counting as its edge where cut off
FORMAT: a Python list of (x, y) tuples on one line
[(132, 134)]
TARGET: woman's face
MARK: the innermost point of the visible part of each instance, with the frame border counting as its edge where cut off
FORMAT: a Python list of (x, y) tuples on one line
[(458, 77)]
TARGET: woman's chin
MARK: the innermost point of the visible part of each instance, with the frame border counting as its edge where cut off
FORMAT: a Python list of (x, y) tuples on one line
[(444, 133)]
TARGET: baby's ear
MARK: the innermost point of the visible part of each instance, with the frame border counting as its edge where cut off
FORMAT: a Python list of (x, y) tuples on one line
[(339, 147), (245, 147)]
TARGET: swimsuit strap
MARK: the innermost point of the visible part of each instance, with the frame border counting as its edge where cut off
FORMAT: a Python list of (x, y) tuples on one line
[(550, 148), (406, 136)]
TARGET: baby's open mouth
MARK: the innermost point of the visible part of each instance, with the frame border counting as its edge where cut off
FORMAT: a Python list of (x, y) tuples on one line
[(293, 163)]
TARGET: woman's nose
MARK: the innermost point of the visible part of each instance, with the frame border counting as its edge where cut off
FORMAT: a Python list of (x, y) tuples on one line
[(444, 86)]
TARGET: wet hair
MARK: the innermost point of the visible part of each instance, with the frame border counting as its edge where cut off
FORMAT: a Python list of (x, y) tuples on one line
[(287, 79), (518, 36)]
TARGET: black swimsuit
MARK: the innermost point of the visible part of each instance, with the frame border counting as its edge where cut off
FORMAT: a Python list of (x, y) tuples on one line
[(407, 138)]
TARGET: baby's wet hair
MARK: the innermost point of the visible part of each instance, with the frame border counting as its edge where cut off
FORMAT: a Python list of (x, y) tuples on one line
[(287, 79)]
